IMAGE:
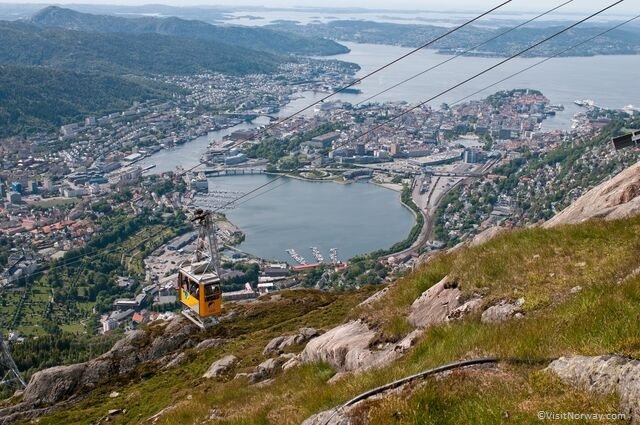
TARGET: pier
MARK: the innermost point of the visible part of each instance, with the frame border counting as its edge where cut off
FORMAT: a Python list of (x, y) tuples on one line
[(317, 254), (299, 258), (333, 254)]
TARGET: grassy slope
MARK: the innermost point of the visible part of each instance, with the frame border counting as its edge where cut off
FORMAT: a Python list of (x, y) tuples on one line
[(540, 265)]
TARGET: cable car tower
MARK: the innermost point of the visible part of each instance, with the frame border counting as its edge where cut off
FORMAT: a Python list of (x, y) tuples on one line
[(12, 374), (199, 288)]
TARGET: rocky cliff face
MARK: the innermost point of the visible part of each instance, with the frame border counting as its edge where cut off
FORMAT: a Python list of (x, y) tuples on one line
[(613, 199)]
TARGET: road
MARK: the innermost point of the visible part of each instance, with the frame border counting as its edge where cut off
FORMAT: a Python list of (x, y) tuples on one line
[(439, 185)]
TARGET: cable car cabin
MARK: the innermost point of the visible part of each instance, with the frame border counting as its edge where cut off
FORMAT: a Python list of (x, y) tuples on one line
[(199, 290)]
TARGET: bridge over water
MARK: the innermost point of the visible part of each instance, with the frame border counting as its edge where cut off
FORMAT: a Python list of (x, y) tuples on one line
[(211, 172)]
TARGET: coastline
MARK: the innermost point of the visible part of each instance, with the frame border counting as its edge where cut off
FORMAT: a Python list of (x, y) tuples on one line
[(396, 188)]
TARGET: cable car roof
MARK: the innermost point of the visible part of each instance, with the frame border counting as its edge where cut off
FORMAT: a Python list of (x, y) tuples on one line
[(208, 277)]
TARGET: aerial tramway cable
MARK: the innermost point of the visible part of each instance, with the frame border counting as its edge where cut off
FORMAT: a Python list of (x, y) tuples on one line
[(387, 65), (555, 55), (375, 71), (99, 251), (471, 49), (405, 112)]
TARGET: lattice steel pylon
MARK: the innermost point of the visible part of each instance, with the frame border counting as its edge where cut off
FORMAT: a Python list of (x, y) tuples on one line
[(12, 374)]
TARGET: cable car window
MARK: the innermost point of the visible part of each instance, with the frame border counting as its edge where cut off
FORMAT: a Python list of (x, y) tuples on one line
[(211, 292)]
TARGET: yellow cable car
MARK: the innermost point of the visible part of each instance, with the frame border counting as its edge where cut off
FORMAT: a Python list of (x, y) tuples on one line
[(199, 288)]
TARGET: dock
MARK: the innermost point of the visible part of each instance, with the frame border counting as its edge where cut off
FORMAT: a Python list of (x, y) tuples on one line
[(299, 258), (317, 254), (333, 254)]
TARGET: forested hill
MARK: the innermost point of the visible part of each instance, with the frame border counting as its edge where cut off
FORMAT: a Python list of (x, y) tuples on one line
[(52, 76), (28, 44), (625, 40), (35, 98), (255, 38)]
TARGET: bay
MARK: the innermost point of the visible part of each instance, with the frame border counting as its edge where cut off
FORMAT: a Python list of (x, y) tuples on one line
[(361, 218), (354, 218), (189, 155), (608, 80)]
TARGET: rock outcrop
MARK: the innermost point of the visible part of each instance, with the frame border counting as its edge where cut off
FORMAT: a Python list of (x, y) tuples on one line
[(221, 367), (210, 343), (347, 348), (604, 375), (173, 361), (503, 311), (267, 369), (374, 298), (278, 344), (441, 303), (469, 307), (54, 384), (337, 416), (614, 199), (435, 304), (64, 383), (487, 235)]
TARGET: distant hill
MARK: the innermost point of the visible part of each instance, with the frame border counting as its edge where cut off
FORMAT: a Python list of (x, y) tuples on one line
[(53, 76), (28, 44), (625, 40), (62, 65), (36, 98), (255, 38)]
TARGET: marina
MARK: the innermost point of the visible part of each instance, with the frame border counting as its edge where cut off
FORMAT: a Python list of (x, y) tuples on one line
[(317, 254), (333, 254), (299, 258), (217, 199)]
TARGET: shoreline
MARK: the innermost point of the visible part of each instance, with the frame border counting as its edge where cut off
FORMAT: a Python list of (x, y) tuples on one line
[(395, 187)]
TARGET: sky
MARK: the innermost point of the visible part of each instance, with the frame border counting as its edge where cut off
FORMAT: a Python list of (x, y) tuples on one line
[(626, 7)]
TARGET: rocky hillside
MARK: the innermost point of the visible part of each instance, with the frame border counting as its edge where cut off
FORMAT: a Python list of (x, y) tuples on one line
[(535, 320), (614, 199)]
